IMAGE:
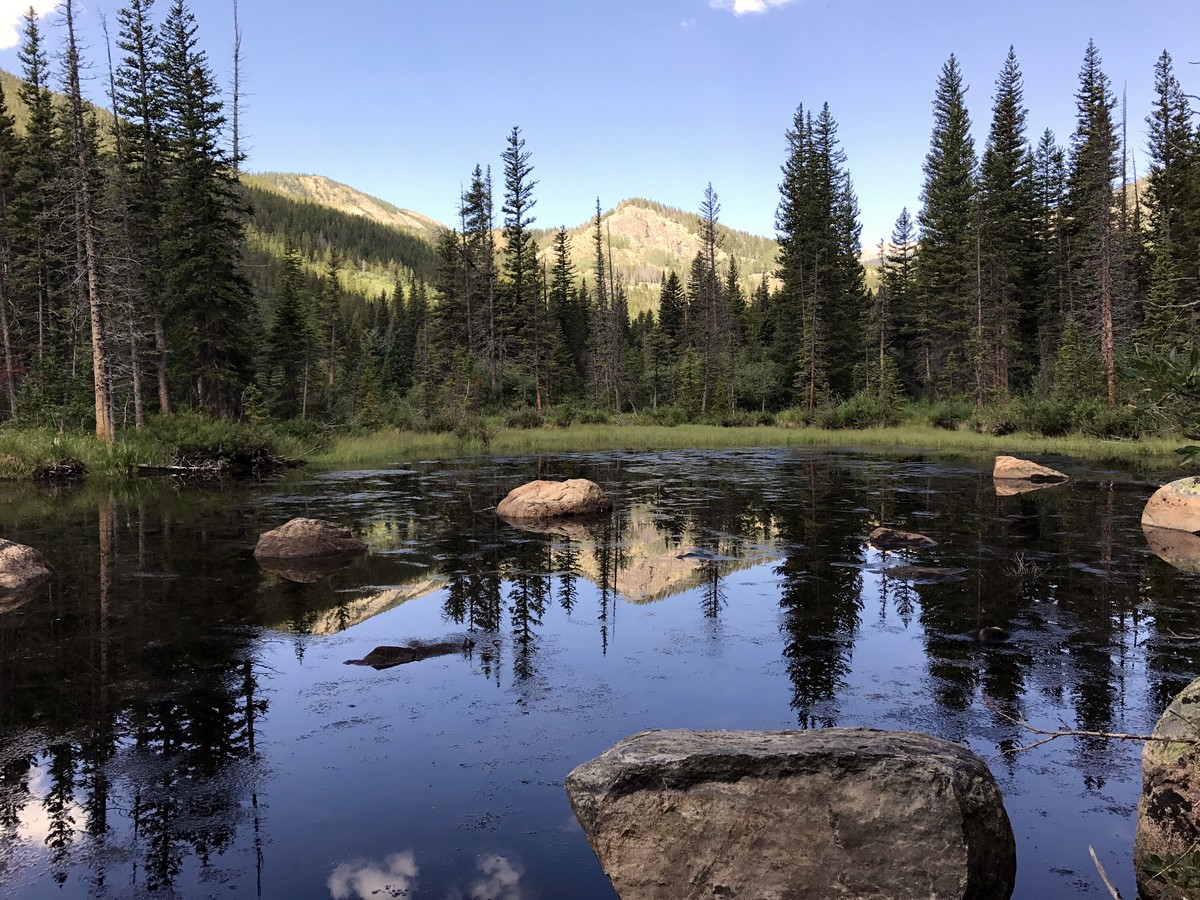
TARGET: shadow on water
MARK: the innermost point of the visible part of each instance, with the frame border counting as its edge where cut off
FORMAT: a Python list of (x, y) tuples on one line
[(174, 718)]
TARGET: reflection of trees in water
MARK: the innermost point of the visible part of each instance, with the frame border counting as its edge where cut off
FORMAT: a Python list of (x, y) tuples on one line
[(821, 601), (154, 716)]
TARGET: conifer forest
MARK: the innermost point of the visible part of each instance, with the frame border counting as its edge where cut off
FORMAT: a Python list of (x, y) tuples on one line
[(142, 273)]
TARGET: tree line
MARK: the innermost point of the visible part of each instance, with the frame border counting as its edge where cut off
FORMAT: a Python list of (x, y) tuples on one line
[(128, 285)]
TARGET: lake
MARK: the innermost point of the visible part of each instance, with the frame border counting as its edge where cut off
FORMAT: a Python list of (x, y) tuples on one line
[(177, 721)]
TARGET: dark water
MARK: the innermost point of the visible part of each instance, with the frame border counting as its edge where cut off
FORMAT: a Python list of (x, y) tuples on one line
[(176, 721)]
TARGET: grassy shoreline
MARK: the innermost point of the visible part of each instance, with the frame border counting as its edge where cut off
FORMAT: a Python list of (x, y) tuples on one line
[(388, 446), (22, 450)]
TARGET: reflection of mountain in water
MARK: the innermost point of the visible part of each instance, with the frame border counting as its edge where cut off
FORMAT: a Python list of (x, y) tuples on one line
[(348, 611), (655, 565)]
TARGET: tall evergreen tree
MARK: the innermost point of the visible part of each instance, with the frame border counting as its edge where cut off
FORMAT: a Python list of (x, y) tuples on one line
[(138, 98), (520, 261), (83, 175), (946, 270), (1173, 196), (8, 336), (1007, 240), (1093, 248), (822, 303), (211, 309)]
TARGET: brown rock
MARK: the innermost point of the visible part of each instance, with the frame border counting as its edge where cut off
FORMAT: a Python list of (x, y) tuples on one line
[(1012, 468), (1168, 826), (21, 567), (776, 815), (1175, 505), (308, 538), (388, 657), (1180, 549), (553, 499), (893, 539)]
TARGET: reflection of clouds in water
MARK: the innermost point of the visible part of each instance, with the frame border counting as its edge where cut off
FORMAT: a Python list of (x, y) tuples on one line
[(362, 879), (501, 880)]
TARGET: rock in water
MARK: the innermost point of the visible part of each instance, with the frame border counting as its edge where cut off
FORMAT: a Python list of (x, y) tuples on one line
[(21, 567), (1175, 506), (1166, 847), (554, 499), (774, 815), (1010, 467), (308, 539), (891, 539)]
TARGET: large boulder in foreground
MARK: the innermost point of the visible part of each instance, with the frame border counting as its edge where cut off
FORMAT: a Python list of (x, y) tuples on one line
[(1175, 506), (1166, 848), (774, 815), (308, 539), (1012, 468), (21, 567), (541, 500)]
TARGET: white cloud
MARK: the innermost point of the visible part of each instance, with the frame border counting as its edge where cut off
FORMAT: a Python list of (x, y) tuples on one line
[(362, 879), (744, 7), (11, 12)]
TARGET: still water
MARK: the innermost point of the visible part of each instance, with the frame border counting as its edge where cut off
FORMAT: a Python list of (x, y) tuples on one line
[(176, 721)]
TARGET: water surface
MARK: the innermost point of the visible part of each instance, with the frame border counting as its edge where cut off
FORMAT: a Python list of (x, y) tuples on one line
[(177, 721)]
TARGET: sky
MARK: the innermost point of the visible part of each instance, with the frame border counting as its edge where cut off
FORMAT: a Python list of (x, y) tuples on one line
[(642, 98)]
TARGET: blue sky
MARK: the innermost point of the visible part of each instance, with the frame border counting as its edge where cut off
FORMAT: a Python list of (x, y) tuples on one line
[(653, 98)]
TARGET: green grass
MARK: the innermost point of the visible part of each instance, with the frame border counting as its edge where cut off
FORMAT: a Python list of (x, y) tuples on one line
[(383, 447), (21, 450)]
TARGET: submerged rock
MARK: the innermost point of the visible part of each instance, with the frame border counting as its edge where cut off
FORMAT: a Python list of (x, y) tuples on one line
[(924, 574), (892, 539), (769, 815), (1012, 468), (307, 539), (1175, 505), (993, 634), (1166, 848), (21, 567), (387, 657), (554, 499)]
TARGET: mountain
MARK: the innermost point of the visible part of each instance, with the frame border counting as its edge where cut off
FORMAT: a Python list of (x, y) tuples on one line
[(648, 239), (341, 197)]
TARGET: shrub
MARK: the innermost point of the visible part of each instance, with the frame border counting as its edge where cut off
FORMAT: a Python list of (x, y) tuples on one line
[(993, 420), (950, 414), (591, 416), (795, 417), (524, 418), (1045, 416)]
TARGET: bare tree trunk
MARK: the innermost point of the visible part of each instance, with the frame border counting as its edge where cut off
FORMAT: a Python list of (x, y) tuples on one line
[(237, 91), (10, 385), (85, 229)]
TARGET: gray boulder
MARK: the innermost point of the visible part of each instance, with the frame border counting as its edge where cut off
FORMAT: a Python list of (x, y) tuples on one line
[(541, 500), (21, 567), (777, 815), (1166, 847), (308, 539)]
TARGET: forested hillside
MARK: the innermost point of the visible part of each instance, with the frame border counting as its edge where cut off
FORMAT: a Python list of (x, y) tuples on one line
[(143, 273)]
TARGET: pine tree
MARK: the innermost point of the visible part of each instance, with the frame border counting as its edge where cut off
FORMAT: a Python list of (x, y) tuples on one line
[(520, 263), (1053, 291), (211, 308), (1173, 197), (138, 98), (822, 305), (906, 323), (1093, 246), (289, 345), (86, 226), (946, 273), (1007, 239), (8, 344)]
